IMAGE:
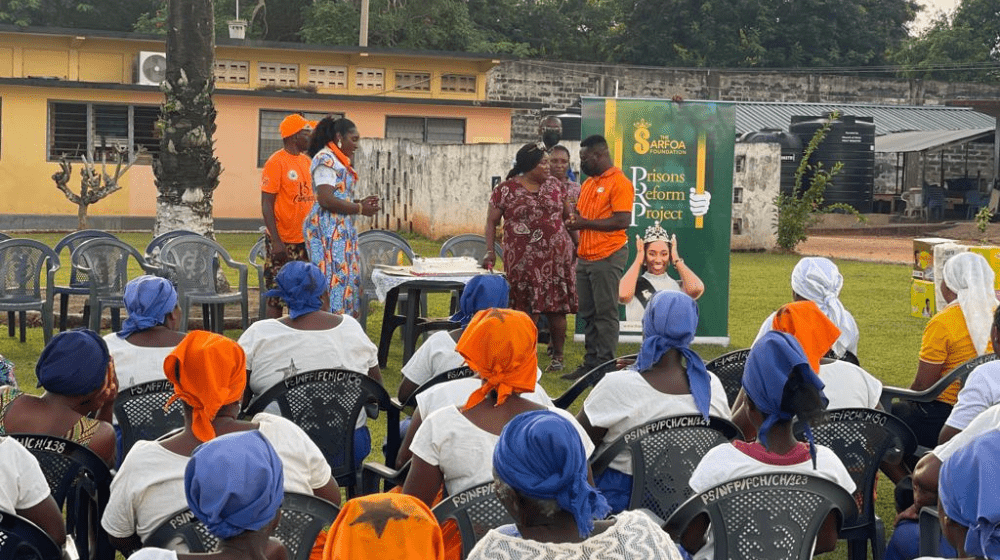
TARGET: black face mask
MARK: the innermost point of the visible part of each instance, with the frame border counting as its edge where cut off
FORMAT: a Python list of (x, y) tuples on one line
[(551, 138)]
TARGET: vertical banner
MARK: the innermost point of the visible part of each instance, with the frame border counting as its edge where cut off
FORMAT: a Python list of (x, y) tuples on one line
[(679, 157)]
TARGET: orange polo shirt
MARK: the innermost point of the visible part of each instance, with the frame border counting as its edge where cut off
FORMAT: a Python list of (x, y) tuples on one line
[(600, 197), (287, 178)]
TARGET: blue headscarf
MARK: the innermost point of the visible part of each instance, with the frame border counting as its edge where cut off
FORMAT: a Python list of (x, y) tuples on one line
[(541, 456), (484, 291), (148, 299), (968, 492), (73, 363), (670, 320), (234, 483), (300, 284), (771, 362)]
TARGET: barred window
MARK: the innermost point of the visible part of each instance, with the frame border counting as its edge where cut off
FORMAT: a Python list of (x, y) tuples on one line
[(79, 129), (429, 130), (268, 135)]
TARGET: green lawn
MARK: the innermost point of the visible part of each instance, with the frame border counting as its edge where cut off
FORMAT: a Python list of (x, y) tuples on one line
[(877, 295)]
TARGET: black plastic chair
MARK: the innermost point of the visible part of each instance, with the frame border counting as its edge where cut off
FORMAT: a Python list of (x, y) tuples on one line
[(302, 518), (960, 373), (104, 262), (140, 414), (457, 373), (664, 453), (729, 369), (326, 403), (79, 480), (930, 531), (23, 262), (78, 280), (193, 261), (765, 516), (4, 236), (588, 380), (863, 438), (257, 254), (475, 511), (21, 539)]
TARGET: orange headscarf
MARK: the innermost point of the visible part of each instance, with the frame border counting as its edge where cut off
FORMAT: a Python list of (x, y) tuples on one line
[(805, 321), (499, 345), (208, 371), (385, 525)]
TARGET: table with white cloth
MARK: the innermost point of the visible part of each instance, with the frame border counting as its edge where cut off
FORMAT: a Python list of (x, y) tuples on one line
[(389, 282)]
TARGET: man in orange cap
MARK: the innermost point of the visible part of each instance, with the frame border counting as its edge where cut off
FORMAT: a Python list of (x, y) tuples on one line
[(286, 198)]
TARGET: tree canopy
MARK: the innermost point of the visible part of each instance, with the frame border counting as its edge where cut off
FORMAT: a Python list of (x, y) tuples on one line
[(964, 46)]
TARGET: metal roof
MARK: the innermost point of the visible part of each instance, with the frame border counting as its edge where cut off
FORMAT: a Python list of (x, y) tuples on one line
[(924, 140), (755, 115)]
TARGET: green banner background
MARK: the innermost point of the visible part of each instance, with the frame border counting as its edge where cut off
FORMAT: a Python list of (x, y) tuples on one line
[(655, 143)]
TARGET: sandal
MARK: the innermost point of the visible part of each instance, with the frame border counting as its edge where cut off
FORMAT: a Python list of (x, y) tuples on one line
[(556, 364)]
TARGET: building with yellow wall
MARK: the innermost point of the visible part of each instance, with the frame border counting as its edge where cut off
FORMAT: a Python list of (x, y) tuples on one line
[(74, 92)]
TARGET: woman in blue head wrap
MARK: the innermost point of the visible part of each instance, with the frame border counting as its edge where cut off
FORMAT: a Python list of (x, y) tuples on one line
[(541, 477), (970, 506), (308, 338), (234, 485), (437, 354), (778, 386), (78, 376), (148, 334), (668, 379)]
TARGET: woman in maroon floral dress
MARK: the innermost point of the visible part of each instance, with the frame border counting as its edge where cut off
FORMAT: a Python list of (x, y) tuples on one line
[(537, 249)]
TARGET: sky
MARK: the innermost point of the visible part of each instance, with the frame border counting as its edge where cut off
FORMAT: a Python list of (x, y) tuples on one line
[(931, 7)]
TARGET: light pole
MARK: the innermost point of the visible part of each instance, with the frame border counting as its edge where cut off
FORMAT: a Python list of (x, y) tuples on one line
[(363, 39)]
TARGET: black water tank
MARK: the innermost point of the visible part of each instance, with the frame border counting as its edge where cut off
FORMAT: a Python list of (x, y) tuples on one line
[(791, 152), (851, 140)]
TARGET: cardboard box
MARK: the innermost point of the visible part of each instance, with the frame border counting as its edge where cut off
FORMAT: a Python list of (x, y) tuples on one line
[(923, 256), (922, 302), (992, 256)]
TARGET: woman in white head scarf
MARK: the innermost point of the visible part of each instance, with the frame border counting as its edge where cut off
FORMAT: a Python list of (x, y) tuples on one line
[(956, 334), (818, 280)]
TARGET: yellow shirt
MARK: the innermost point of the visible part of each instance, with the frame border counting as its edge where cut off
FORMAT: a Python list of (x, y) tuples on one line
[(947, 341)]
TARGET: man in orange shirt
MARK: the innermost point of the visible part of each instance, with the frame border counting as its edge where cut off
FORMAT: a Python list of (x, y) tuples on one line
[(602, 214), (286, 198)]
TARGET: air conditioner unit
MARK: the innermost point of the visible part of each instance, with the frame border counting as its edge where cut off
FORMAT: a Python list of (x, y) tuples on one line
[(150, 68)]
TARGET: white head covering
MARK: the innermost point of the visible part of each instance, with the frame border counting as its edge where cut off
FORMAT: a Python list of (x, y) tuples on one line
[(970, 276), (818, 280)]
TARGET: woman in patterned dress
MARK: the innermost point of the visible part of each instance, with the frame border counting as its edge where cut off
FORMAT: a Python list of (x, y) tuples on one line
[(331, 238), (537, 249)]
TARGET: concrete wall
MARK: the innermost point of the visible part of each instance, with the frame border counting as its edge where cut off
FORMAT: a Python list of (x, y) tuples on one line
[(555, 86), (756, 183), (435, 190)]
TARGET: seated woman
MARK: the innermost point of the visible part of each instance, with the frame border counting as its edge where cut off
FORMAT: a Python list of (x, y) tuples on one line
[(956, 334), (655, 252), (541, 479), (208, 372), (969, 509), (437, 354), (148, 334), (454, 446), (242, 508), (78, 376), (779, 385), (846, 385), (980, 391), (24, 491), (307, 339), (818, 280), (668, 379), (384, 526)]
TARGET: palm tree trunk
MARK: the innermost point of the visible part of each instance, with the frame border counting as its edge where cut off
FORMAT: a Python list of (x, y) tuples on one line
[(186, 169)]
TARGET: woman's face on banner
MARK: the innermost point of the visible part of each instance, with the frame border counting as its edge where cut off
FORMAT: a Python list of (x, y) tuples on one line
[(657, 257)]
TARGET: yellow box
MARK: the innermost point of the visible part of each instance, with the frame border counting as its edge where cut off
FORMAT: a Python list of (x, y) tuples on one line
[(923, 256), (992, 256), (922, 298)]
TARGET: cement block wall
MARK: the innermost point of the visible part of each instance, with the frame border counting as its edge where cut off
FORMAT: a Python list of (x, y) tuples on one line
[(756, 184), (556, 86)]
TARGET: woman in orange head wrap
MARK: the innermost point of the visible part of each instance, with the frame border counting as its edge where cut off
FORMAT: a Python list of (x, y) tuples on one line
[(385, 526), (455, 447)]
